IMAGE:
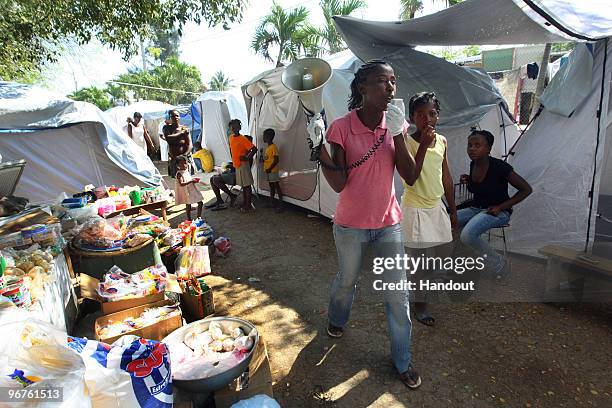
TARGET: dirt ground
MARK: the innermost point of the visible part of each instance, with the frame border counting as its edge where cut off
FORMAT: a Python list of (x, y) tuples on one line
[(279, 275)]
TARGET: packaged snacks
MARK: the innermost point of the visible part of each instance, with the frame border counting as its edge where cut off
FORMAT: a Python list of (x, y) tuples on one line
[(192, 262), (118, 285), (148, 317)]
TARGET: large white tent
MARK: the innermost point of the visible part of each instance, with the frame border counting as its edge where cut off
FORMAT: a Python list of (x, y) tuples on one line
[(66, 144), (563, 155), (217, 108)]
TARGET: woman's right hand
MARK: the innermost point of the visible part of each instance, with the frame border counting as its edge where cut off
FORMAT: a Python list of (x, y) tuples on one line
[(463, 179)]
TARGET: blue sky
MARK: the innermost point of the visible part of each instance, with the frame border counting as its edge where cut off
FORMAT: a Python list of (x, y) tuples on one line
[(209, 49)]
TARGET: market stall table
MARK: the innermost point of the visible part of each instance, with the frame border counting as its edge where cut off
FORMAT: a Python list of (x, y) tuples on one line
[(158, 205)]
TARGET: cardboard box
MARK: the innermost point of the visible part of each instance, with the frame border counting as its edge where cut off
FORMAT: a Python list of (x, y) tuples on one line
[(156, 331), (88, 287), (197, 307), (259, 382)]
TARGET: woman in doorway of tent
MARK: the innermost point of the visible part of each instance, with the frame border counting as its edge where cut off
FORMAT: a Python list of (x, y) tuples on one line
[(271, 168), (367, 145), (426, 224), (185, 190), (138, 133), (491, 205)]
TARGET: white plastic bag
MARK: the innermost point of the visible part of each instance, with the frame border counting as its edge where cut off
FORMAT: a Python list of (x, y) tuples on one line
[(35, 356)]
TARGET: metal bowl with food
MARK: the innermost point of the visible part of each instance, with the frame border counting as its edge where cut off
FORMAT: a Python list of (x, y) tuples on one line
[(202, 374)]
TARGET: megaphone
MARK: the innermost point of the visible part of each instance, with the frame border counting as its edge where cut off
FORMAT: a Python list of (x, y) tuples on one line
[(307, 77)]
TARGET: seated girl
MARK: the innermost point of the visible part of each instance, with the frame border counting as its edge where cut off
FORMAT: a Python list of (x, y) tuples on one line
[(491, 206)]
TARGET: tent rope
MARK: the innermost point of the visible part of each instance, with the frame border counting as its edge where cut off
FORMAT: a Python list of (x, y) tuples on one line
[(599, 111)]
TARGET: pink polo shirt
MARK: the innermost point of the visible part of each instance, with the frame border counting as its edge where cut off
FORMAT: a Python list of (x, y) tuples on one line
[(368, 198)]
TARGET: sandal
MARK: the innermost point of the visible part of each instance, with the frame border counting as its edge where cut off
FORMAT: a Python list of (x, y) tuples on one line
[(425, 318), (219, 207), (411, 378)]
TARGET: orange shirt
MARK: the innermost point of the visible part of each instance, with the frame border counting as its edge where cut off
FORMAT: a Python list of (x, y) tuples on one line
[(239, 146)]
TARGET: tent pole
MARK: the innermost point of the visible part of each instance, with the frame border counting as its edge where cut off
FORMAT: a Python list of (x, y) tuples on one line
[(599, 112), (503, 126), (511, 152)]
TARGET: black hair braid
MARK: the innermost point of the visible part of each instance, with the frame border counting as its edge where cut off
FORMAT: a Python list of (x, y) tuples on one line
[(422, 98), (356, 99)]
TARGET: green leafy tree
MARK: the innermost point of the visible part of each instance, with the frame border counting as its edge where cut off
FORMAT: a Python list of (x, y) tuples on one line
[(410, 7), (290, 32), (563, 47), (172, 74), (164, 43), (330, 36), (219, 82), (30, 29), (95, 95)]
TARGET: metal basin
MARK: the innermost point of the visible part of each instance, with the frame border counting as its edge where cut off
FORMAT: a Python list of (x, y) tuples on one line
[(221, 379)]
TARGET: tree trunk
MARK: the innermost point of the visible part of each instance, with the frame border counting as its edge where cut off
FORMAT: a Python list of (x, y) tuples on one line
[(541, 78), (280, 55)]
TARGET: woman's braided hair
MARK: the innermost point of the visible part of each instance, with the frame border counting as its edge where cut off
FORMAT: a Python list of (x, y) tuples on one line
[(356, 99)]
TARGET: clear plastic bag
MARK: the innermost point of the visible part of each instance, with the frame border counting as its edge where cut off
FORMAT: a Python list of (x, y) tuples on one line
[(192, 262), (36, 357)]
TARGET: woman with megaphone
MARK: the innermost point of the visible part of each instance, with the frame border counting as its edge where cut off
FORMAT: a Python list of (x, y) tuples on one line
[(367, 145)]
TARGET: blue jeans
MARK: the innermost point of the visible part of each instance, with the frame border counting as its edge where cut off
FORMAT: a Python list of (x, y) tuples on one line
[(475, 222), (351, 245)]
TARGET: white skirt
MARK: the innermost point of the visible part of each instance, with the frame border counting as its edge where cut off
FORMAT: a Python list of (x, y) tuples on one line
[(426, 227)]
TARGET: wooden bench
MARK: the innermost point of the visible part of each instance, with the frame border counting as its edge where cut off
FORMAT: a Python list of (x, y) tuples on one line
[(572, 275)]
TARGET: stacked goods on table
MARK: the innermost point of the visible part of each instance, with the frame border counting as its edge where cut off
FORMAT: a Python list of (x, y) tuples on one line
[(24, 274), (120, 232), (27, 267), (118, 285), (106, 200), (119, 290), (188, 233)]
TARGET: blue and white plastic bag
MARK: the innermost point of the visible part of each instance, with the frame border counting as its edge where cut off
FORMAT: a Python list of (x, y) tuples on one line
[(135, 375)]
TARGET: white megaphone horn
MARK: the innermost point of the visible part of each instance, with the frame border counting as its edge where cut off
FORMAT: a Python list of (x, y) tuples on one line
[(307, 77)]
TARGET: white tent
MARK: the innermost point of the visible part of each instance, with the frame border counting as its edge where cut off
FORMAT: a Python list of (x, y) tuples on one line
[(217, 109), (67, 144), (564, 155)]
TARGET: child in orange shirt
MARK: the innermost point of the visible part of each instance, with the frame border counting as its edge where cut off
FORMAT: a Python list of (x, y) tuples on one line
[(242, 152)]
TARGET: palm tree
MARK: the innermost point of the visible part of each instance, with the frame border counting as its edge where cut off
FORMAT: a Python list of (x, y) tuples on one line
[(331, 8), (289, 31), (410, 7), (219, 82)]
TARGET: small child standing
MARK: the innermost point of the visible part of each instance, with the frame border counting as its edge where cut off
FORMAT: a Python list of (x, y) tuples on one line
[(185, 191), (271, 168), (426, 224)]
